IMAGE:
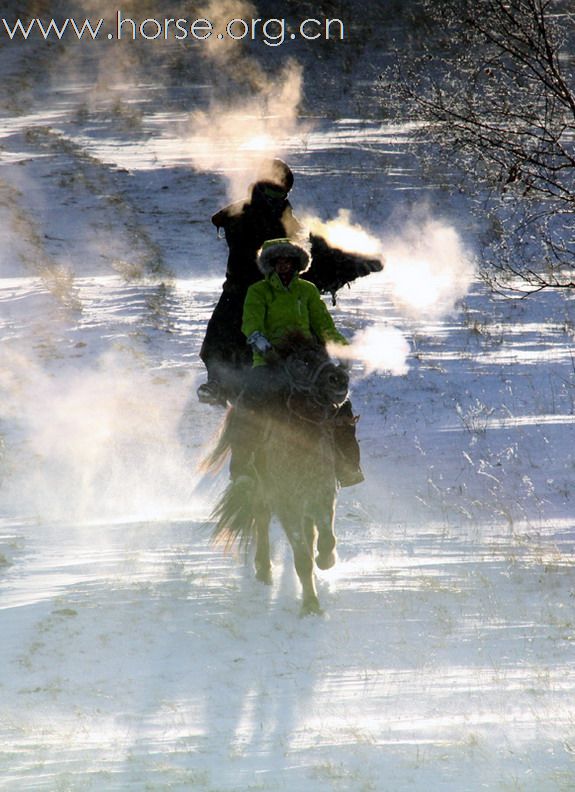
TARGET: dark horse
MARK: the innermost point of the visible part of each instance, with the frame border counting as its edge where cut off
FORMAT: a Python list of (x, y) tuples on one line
[(293, 465)]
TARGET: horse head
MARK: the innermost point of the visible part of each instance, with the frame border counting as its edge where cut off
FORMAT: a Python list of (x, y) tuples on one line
[(311, 372)]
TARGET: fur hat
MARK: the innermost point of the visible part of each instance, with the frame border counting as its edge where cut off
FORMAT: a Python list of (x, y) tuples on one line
[(273, 249)]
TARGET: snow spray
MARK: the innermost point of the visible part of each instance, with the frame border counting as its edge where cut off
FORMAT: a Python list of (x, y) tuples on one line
[(342, 233), (379, 349), (248, 131), (252, 113), (427, 270), (101, 440), (428, 267)]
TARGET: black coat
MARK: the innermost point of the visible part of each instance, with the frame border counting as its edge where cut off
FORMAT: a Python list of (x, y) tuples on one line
[(246, 225)]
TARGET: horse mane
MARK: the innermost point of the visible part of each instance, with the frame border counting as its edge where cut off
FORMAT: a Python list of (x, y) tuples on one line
[(296, 344), (215, 459)]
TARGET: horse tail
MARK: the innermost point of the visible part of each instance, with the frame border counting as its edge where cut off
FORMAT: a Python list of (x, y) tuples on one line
[(235, 514), (215, 459)]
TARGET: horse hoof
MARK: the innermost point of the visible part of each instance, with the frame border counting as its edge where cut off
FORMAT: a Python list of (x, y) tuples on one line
[(326, 561), (264, 576), (311, 608)]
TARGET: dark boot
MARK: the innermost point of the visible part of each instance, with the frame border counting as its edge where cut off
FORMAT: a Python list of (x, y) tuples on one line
[(211, 392), (347, 465)]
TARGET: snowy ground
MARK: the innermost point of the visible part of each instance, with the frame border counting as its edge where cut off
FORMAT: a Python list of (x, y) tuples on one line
[(135, 656)]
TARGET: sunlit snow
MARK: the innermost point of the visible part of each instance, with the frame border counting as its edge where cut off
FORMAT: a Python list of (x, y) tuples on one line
[(135, 655)]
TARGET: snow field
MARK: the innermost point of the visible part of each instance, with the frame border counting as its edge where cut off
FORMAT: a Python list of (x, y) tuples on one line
[(135, 655)]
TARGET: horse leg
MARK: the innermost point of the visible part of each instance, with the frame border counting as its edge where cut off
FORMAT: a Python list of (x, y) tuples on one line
[(298, 536), (310, 532), (262, 561), (326, 541)]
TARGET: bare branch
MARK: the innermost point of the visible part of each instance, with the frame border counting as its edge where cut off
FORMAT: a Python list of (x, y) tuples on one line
[(491, 87)]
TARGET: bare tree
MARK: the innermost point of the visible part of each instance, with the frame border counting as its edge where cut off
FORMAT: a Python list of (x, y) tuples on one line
[(494, 85)]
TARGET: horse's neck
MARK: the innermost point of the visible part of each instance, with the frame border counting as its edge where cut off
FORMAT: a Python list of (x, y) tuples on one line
[(302, 408), (304, 442)]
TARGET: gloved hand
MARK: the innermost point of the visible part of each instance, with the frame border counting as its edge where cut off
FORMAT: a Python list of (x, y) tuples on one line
[(258, 341)]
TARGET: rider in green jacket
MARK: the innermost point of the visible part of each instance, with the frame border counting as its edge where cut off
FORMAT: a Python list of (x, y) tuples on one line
[(279, 304), (283, 302)]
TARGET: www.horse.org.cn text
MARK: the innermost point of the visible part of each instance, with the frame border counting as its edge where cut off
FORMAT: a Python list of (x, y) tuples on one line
[(272, 32)]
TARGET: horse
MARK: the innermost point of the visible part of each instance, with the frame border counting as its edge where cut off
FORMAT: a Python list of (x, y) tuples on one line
[(293, 465)]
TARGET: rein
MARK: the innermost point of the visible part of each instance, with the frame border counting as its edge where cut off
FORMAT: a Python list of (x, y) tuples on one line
[(312, 380), (323, 419)]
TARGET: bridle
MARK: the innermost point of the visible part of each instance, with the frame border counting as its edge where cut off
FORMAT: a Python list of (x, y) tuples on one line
[(297, 386)]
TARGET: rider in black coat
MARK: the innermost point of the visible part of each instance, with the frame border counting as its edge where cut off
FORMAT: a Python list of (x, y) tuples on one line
[(265, 214)]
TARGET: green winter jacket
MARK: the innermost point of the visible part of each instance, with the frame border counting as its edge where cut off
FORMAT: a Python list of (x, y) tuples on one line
[(275, 310)]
